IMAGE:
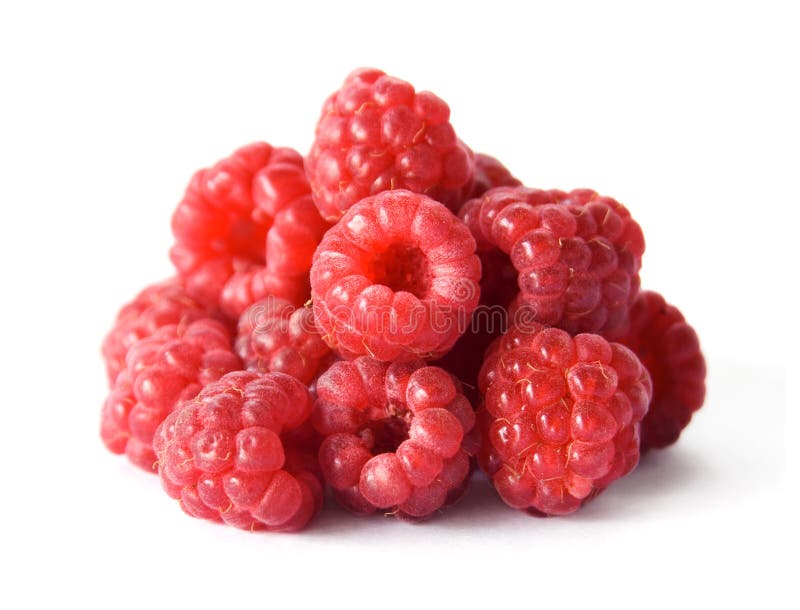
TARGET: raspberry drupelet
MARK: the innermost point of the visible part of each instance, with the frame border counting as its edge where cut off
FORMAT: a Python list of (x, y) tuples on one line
[(274, 335), (489, 173), (577, 254), (377, 133), (221, 224), (161, 371), (670, 350), (562, 416), (397, 277), (394, 436), (158, 305), (223, 457)]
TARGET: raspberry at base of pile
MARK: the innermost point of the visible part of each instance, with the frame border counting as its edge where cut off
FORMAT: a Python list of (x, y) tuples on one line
[(222, 456), (394, 436), (562, 416)]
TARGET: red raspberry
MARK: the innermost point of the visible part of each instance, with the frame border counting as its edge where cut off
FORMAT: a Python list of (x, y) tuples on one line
[(222, 454), (394, 436), (563, 416), (291, 242), (375, 134), (161, 371), (221, 224), (489, 173), (158, 305), (578, 254), (397, 277), (276, 336), (670, 350)]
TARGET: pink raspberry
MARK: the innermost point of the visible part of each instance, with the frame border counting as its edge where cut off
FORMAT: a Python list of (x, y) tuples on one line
[(394, 436), (376, 134), (291, 242), (158, 305), (221, 224), (577, 254), (670, 349), (276, 336), (161, 371), (397, 277), (223, 456), (562, 416)]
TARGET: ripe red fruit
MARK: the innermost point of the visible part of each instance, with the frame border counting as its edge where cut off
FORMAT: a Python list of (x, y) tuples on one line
[(670, 349), (162, 304), (397, 277), (394, 436), (577, 254), (377, 133), (275, 336), (563, 415), (222, 454), (161, 371), (221, 224)]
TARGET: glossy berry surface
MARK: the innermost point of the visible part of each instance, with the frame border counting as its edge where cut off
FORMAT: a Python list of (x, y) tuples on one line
[(396, 278), (670, 349), (562, 416), (489, 173), (223, 458), (377, 133), (275, 336), (221, 224), (577, 254), (161, 371), (394, 436), (162, 304)]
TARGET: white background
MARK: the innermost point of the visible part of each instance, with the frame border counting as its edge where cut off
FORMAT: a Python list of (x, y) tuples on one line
[(686, 112)]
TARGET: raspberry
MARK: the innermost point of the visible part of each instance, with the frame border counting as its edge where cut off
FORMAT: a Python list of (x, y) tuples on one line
[(276, 336), (490, 173), (577, 254), (562, 418), (158, 305), (394, 436), (375, 134), (291, 241), (161, 371), (397, 277), (670, 350), (221, 224), (222, 454)]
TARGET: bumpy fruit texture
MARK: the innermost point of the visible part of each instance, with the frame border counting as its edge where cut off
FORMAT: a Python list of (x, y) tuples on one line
[(577, 254), (489, 173), (394, 436), (275, 336), (222, 455), (562, 416), (161, 371), (221, 224), (396, 278), (162, 304), (670, 350), (377, 133), (291, 241)]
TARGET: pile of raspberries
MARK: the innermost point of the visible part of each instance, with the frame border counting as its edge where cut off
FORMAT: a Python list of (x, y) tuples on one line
[(384, 316)]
